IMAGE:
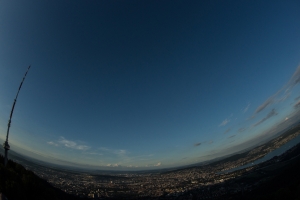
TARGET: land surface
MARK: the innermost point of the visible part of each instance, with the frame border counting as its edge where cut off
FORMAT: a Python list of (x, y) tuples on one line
[(200, 182)]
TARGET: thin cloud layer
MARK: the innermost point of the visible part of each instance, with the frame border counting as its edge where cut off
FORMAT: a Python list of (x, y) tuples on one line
[(72, 144), (231, 136), (247, 107), (153, 165), (227, 130), (284, 97), (269, 101), (69, 144), (113, 165), (297, 105), (52, 143), (270, 114), (119, 152), (224, 122), (95, 153), (294, 80), (242, 129), (197, 144)]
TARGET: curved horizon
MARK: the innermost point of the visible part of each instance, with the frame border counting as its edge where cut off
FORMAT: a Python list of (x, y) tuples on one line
[(147, 85)]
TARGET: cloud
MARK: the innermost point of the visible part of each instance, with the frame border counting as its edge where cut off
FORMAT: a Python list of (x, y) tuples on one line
[(197, 144), (231, 136), (210, 142), (297, 105), (119, 152), (103, 148), (242, 130), (71, 144), (155, 165), (113, 165), (270, 114), (284, 97), (142, 157), (52, 143), (294, 80), (227, 130), (247, 107), (95, 153), (265, 104), (132, 166), (250, 118), (224, 122)]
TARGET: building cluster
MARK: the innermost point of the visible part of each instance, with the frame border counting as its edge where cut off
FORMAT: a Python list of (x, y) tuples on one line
[(203, 181), (258, 152), (134, 185)]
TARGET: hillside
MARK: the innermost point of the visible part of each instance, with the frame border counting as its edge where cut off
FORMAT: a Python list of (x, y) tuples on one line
[(18, 183)]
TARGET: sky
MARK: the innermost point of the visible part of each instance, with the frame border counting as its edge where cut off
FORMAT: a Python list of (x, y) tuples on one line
[(147, 84)]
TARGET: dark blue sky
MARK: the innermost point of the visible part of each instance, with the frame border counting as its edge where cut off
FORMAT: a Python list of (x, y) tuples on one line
[(146, 83)]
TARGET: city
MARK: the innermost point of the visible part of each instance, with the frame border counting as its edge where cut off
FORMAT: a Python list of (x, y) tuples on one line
[(208, 180)]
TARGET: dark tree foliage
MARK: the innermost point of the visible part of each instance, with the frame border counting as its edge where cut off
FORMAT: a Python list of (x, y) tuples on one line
[(18, 183)]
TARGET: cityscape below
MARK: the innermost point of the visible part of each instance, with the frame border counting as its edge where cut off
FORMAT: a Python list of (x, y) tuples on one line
[(219, 179)]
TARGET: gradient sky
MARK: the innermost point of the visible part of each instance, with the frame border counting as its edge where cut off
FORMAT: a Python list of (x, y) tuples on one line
[(146, 84)]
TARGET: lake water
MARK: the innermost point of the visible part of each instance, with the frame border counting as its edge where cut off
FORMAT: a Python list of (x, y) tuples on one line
[(270, 155)]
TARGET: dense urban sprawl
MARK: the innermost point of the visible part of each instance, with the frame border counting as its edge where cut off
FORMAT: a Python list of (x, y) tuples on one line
[(208, 180)]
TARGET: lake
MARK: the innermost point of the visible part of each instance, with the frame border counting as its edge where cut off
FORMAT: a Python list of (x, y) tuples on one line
[(270, 155)]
